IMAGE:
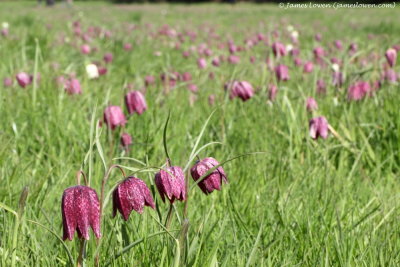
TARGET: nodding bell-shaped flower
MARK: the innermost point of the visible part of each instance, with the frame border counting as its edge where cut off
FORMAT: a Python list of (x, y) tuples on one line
[(7, 82), (311, 104), (202, 63), (126, 140), (131, 194), (243, 90), (278, 49), (171, 184), (358, 90), (321, 87), (213, 180), (391, 55), (282, 72), (319, 128), (108, 57), (80, 210), (135, 102), (85, 49), (308, 67), (113, 117), (73, 87), (272, 91), (149, 80), (23, 79)]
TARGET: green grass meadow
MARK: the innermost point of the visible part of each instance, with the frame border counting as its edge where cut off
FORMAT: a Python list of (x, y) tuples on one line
[(301, 202)]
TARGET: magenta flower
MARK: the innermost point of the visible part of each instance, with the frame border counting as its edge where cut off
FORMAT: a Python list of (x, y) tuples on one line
[(85, 49), (135, 102), (391, 56), (319, 128), (353, 48), (278, 49), (186, 76), (298, 62), (171, 184), (243, 90), (211, 100), (192, 87), (358, 90), (318, 37), (113, 117), (272, 91), (390, 75), (282, 72), (126, 140), (202, 63), (7, 82), (131, 194), (127, 47), (318, 52), (108, 57), (80, 210), (321, 87), (149, 80), (213, 180), (72, 87), (216, 62), (233, 59), (337, 78), (23, 79), (311, 104), (308, 67), (338, 44)]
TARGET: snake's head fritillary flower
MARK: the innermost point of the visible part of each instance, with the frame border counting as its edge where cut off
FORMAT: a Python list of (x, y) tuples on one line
[(127, 47), (338, 44), (243, 90), (170, 184), (391, 55), (318, 52), (131, 194), (390, 75), (113, 117), (282, 72), (308, 67), (135, 102), (202, 63), (72, 87), (318, 37), (272, 91), (321, 87), (23, 79), (85, 49), (233, 59), (186, 76), (358, 90), (311, 104), (80, 210), (7, 82), (214, 180), (149, 80), (215, 62), (126, 140), (279, 49), (108, 57), (319, 128)]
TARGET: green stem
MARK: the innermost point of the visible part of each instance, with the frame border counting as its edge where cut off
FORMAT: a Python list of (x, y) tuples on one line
[(169, 216), (15, 241)]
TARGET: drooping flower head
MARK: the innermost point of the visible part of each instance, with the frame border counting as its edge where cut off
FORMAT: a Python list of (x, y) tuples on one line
[(170, 184), (272, 91), (358, 90), (213, 180), (282, 72), (391, 55), (23, 79), (131, 194), (135, 102), (113, 117), (80, 210), (318, 128), (72, 86), (243, 90), (311, 104), (126, 140)]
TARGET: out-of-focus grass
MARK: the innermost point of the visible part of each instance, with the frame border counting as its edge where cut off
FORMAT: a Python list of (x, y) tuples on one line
[(303, 203)]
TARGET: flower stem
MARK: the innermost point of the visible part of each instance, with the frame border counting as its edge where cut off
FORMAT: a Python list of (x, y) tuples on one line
[(169, 216), (79, 262)]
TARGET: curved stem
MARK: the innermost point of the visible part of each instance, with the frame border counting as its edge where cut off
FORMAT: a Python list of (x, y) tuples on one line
[(169, 216), (78, 177), (79, 262)]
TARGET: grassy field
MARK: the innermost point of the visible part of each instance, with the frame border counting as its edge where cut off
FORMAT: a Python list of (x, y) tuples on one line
[(302, 202)]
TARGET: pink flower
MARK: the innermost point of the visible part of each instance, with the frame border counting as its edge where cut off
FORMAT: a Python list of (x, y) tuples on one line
[(186, 77), (171, 184), (233, 59), (243, 90), (135, 102), (321, 87), (391, 55), (338, 44), (311, 104), (85, 49), (215, 62), (126, 140), (80, 210), (282, 72), (127, 47), (390, 76), (131, 194), (272, 91), (319, 128), (211, 182), (308, 67), (358, 91), (23, 79), (113, 117), (149, 80), (7, 82), (318, 52), (72, 87), (193, 88), (279, 49), (202, 63), (108, 57)]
